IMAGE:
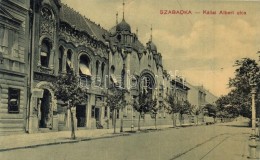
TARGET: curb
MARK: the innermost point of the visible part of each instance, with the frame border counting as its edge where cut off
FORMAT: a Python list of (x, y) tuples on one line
[(64, 142)]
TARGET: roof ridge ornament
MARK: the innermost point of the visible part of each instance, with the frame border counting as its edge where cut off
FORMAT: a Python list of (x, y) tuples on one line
[(151, 38), (123, 10), (116, 18)]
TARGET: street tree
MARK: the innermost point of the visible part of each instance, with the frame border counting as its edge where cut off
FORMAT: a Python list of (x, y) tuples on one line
[(211, 110), (196, 111), (67, 88), (185, 108), (115, 100), (155, 108), (143, 104), (172, 107)]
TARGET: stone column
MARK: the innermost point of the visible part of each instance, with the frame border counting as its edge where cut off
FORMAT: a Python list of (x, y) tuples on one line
[(252, 144), (51, 58)]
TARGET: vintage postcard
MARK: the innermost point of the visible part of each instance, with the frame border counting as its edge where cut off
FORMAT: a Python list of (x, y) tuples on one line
[(129, 79)]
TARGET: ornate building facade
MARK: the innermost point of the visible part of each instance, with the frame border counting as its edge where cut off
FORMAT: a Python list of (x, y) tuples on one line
[(47, 38), (65, 40)]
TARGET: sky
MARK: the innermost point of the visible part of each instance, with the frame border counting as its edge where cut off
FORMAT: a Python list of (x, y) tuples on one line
[(202, 47)]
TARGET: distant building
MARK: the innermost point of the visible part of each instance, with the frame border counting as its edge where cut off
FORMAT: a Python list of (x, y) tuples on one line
[(199, 96), (211, 98)]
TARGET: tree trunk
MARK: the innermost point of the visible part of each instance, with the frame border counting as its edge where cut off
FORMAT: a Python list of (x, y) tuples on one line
[(73, 135), (155, 121), (180, 119), (121, 125), (173, 121), (139, 121), (114, 120)]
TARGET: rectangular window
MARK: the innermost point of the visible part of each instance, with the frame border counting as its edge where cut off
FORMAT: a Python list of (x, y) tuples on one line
[(92, 111), (13, 100), (105, 114)]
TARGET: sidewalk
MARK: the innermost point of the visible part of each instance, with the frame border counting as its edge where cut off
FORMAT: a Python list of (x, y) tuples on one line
[(18, 141), (11, 142)]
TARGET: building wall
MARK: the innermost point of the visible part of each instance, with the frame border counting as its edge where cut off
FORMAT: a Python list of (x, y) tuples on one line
[(210, 97), (62, 37), (13, 65)]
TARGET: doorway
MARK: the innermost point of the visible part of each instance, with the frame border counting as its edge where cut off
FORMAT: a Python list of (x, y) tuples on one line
[(45, 112), (81, 115), (97, 116)]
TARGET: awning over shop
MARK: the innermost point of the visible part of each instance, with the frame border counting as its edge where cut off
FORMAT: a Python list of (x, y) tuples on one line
[(84, 69), (44, 54), (113, 78), (69, 63)]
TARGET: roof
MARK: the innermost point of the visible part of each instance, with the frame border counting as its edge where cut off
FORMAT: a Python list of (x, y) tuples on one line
[(81, 23), (123, 26)]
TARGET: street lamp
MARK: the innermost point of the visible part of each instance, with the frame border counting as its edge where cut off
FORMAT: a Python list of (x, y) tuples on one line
[(252, 144)]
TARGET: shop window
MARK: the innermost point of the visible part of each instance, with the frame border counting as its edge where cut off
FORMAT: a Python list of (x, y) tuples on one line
[(13, 100), (92, 111)]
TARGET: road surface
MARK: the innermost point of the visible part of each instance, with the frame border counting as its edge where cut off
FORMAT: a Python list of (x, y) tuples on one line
[(213, 142)]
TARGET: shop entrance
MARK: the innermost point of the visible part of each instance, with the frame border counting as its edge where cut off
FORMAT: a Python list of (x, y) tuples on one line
[(81, 115), (45, 111)]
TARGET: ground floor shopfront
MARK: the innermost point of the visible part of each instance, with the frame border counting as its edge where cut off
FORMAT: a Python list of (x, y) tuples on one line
[(49, 114)]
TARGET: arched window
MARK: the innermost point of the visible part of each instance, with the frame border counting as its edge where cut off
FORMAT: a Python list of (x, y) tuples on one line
[(112, 69), (69, 62), (113, 77), (123, 78), (45, 53), (84, 65), (61, 53), (102, 72), (97, 67)]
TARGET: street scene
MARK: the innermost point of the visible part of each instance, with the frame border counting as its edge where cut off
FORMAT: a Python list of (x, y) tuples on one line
[(213, 142), (128, 79)]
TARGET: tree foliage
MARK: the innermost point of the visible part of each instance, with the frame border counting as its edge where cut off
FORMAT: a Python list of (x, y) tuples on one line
[(143, 104), (211, 110), (238, 100), (172, 106), (185, 107), (67, 89), (175, 106), (115, 100)]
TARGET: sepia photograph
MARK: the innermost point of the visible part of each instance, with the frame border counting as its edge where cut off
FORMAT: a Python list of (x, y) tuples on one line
[(129, 79)]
